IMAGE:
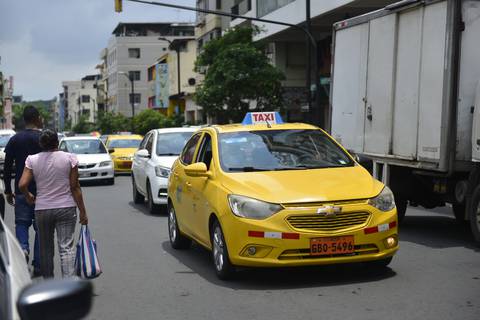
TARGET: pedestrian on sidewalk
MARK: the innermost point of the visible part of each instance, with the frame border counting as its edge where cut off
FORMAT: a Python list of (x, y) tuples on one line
[(18, 148), (58, 196)]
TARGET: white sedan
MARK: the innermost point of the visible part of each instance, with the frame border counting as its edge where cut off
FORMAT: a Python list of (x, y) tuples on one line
[(152, 163), (95, 163)]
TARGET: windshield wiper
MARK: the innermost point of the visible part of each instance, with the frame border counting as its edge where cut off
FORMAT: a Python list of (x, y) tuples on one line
[(292, 168), (248, 169), (167, 154)]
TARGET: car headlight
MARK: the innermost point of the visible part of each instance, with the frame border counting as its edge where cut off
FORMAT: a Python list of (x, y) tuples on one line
[(105, 163), (162, 172), (246, 207), (384, 201)]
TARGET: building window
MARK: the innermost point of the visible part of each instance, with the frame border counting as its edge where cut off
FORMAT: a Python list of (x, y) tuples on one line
[(85, 98), (264, 7), (151, 102), (134, 53), (135, 75), (86, 112), (219, 4), (136, 97)]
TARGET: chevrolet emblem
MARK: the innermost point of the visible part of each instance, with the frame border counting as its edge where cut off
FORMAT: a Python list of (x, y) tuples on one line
[(329, 211)]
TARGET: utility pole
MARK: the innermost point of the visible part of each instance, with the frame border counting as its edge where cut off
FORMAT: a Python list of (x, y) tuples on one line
[(309, 36), (308, 75), (132, 96)]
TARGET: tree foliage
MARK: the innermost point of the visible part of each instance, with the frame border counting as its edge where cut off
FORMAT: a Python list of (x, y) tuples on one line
[(110, 122), (83, 126), (237, 74), (150, 119)]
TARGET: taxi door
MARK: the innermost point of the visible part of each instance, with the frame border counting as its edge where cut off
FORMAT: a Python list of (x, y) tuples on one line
[(201, 188), (182, 186)]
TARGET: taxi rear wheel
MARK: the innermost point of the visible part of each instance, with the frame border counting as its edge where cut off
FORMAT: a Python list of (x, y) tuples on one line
[(177, 240), (221, 259), (138, 198)]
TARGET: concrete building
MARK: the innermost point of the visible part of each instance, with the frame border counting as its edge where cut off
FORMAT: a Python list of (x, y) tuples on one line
[(6, 102), (132, 48), (164, 92), (287, 46)]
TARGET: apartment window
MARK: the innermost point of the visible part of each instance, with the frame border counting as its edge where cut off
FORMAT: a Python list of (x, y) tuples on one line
[(134, 53), (136, 98), (85, 98), (219, 4), (86, 112), (264, 7), (135, 75)]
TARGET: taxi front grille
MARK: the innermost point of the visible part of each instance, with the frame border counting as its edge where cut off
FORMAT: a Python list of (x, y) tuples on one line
[(319, 204), (305, 253), (86, 166), (317, 222)]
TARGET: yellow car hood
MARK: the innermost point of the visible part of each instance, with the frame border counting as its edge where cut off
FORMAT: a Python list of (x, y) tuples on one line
[(313, 185), (124, 152)]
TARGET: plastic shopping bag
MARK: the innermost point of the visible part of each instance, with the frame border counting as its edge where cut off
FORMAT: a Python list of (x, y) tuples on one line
[(86, 261)]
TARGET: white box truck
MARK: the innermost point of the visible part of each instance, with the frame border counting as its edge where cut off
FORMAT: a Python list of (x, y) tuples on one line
[(406, 93)]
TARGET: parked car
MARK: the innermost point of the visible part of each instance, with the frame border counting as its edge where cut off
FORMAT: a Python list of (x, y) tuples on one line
[(122, 149), (152, 162), (95, 164), (20, 299), (5, 136)]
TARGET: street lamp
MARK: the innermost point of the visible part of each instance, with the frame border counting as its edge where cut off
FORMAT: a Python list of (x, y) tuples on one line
[(177, 49), (132, 99)]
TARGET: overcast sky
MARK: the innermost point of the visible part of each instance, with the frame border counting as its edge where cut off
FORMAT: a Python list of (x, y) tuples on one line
[(45, 42)]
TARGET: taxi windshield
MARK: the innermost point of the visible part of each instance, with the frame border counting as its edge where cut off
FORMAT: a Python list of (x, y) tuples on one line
[(271, 150), (124, 143)]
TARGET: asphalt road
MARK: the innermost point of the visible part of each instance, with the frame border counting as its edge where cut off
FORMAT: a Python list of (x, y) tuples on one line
[(435, 275)]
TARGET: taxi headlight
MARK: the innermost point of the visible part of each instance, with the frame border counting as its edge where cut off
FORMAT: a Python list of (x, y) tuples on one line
[(252, 208), (162, 172), (105, 163), (384, 201)]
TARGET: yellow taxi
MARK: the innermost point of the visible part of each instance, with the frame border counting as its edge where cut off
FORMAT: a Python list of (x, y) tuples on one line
[(122, 148), (266, 193)]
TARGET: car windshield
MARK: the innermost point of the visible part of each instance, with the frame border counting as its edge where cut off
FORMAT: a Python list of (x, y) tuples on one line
[(172, 143), (4, 138), (124, 143), (85, 146), (270, 150)]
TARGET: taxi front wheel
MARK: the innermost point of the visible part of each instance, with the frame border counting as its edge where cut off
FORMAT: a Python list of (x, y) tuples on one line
[(221, 260), (177, 240)]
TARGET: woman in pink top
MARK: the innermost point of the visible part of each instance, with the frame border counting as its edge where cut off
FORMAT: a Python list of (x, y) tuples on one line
[(58, 196)]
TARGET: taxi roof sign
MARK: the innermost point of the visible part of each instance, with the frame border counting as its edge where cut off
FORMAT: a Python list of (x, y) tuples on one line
[(262, 118)]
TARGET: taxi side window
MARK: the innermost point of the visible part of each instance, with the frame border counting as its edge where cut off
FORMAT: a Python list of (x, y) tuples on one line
[(189, 150), (63, 147), (205, 153)]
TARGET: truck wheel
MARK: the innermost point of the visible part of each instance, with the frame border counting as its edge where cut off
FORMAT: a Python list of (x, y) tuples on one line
[(401, 204), (475, 215), (459, 211)]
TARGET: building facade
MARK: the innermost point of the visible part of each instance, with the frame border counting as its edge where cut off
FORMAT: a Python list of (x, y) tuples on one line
[(6, 102), (132, 49)]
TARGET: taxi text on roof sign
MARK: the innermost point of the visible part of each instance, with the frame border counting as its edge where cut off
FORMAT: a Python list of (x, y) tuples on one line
[(262, 118)]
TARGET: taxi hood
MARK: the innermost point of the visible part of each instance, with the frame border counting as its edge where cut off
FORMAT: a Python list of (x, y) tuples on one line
[(124, 152), (313, 185)]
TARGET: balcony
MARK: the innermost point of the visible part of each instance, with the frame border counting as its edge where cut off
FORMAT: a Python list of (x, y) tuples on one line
[(241, 8)]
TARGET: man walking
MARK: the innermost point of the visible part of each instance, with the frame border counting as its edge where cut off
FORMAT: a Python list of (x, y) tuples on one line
[(19, 147)]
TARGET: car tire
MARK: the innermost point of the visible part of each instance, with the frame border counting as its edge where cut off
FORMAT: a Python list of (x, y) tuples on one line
[(380, 264), (402, 205), (459, 212), (138, 198), (474, 214), (177, 240), (221, 259), (152, 207)]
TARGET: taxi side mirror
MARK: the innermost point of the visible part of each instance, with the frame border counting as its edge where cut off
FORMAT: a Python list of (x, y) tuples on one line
[(198, 169), (111, 150)]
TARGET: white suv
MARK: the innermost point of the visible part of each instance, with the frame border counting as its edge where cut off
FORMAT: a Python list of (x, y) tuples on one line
[(152, 162)]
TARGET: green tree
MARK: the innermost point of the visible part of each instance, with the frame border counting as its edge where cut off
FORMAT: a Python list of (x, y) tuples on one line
[(147, 120), (83, 126), (237, 73), (110, 122)]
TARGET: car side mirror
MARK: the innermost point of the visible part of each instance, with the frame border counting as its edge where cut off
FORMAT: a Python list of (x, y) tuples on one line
[(56, 299), (354, 155), (198, 169), (143, 153), (111, 150)]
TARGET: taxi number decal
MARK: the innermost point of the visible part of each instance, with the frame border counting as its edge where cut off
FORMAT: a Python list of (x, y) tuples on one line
[(332, 245)]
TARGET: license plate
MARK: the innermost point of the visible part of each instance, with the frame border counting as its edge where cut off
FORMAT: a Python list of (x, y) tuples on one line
[(126, 164), (332, 245)]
